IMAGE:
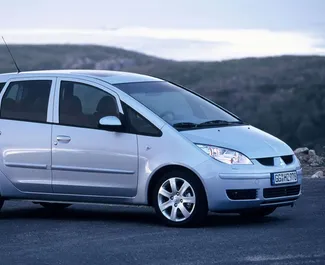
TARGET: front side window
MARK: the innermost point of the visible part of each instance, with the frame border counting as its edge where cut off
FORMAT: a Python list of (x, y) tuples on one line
[(26, 100), (177, 106), (83, 105), (138, 124)]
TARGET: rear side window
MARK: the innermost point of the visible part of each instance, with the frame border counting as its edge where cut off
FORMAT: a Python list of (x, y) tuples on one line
[(26, 100)]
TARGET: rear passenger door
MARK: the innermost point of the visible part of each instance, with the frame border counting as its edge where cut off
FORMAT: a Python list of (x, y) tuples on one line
[(87, 160), (25, 133)]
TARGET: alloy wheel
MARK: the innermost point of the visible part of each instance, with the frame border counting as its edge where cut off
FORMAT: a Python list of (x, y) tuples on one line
[(176, 199)]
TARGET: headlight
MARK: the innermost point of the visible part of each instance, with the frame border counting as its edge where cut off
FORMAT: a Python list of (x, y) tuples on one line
[(224, 155)]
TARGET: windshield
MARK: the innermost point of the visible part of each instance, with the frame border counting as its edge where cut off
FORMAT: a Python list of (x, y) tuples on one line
[(177, 106)]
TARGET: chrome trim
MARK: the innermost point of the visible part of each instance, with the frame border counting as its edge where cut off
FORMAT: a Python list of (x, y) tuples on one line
[(26, 165), (63, 138), (94, 170)]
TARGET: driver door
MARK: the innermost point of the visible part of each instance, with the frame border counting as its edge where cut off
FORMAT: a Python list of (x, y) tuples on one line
[(87, 160)]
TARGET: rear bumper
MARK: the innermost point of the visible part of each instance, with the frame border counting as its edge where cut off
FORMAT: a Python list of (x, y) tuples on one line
[(236, 190)]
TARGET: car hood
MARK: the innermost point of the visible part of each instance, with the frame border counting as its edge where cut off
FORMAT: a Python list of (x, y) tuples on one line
[(248, 140)]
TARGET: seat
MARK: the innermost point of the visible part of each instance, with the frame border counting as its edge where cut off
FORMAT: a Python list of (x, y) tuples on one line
[(71, 111), (106, 107)]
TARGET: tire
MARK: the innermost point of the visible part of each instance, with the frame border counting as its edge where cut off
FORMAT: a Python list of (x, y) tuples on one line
[(258, 212), (55, 206), (183, 205)]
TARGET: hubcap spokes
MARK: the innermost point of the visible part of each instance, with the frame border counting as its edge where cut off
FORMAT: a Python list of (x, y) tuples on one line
[(176, 199)]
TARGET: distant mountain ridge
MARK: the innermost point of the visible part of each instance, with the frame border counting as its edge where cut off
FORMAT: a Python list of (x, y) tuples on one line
[(284, 95)]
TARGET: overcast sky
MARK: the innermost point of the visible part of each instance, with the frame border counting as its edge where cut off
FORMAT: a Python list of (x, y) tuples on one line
[(176, 29)]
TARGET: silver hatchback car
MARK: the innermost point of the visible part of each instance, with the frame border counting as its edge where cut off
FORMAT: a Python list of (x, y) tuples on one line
[(121, 138)]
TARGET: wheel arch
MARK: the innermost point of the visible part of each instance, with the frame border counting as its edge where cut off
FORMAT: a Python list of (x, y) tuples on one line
[(163, 170)]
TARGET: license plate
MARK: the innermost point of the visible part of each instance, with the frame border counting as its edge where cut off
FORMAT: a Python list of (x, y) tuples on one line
[(284, 178)]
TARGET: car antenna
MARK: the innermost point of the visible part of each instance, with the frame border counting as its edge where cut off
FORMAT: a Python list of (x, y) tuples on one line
[(12, 57)]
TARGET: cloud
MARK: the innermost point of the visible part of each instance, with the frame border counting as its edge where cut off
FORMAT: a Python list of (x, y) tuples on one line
[(181, 44)]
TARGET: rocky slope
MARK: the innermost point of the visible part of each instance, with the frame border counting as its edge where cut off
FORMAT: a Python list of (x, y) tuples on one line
[(313, 165)]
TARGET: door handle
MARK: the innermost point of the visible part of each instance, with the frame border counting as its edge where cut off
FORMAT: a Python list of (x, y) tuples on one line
[(63, 138)]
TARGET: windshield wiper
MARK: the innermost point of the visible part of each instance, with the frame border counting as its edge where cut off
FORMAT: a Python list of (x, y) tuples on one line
[(185, 125), (219, 122), (190, 125)]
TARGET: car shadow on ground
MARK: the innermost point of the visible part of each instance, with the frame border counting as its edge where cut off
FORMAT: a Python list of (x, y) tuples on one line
[(132, 215), (230, 220)]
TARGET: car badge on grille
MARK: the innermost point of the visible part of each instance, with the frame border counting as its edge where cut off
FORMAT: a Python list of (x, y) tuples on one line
[(282, 164), (278, 161)]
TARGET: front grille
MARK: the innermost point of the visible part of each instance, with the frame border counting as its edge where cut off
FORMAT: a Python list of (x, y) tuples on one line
[(266, 161), (269, 161), (287, 159), (281, 191), (242, 194)]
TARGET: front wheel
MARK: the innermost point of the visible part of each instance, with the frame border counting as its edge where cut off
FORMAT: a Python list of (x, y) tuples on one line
[(54, 206), (179, 199), (258, 212)]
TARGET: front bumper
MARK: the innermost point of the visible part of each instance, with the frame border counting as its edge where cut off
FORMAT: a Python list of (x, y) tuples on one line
[(219, 179)]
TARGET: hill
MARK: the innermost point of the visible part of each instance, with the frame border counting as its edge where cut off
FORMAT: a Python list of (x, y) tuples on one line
[(282, 95)]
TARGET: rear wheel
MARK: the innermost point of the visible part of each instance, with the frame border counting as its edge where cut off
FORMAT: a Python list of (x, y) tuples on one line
[(258, 212), (179, 199), (54, 206)]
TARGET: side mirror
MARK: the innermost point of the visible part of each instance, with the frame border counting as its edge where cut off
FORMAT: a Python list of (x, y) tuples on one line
[(110, 123)]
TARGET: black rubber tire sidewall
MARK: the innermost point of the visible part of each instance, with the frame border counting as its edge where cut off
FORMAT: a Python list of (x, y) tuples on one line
[(201, 206)]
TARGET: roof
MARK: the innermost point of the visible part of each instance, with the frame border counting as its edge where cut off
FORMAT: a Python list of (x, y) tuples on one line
[(112, 77)]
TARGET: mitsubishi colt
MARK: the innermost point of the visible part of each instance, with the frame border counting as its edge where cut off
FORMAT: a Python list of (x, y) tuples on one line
[(85, 136)]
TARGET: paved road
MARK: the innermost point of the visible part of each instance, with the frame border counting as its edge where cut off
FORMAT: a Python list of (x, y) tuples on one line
[(94, 235)]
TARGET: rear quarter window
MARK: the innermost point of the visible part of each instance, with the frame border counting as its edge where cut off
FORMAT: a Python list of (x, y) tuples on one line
[(2, 86)]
